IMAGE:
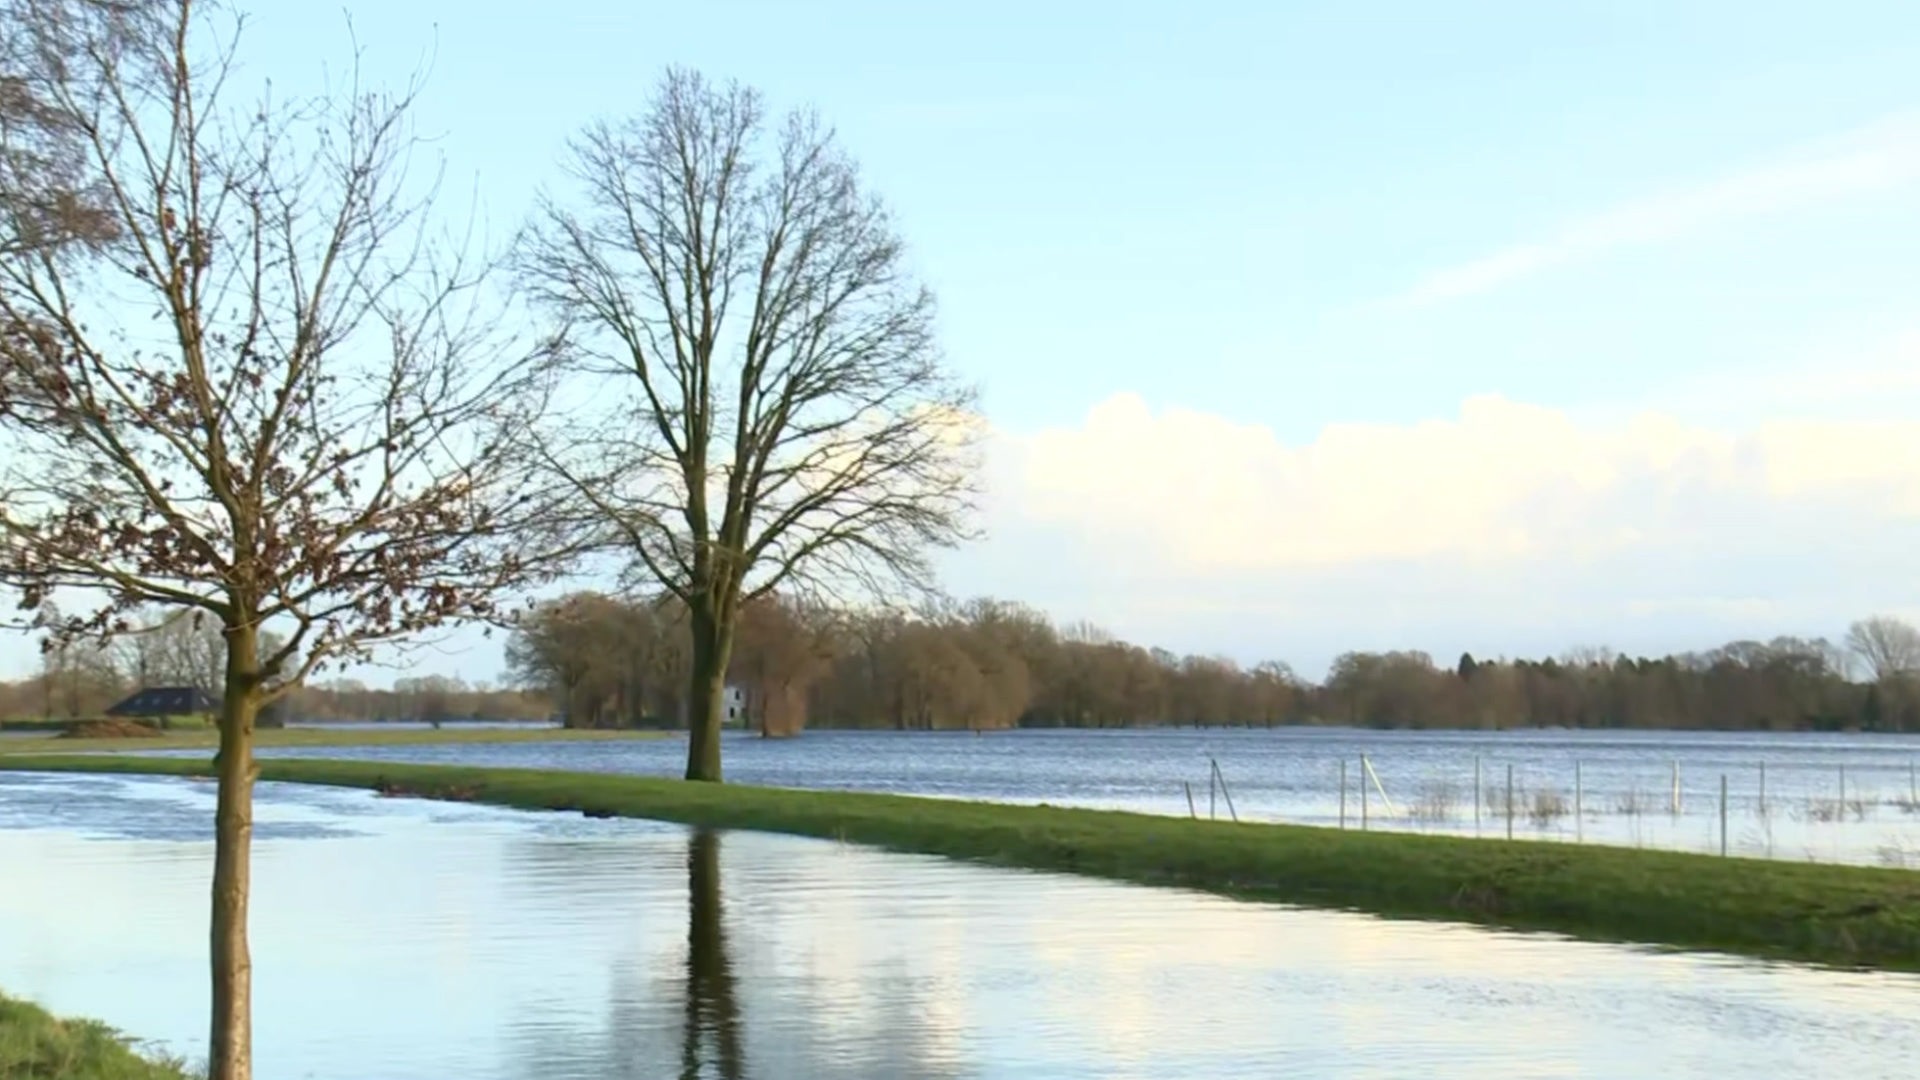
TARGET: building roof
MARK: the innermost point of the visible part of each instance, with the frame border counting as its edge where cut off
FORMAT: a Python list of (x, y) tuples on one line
[(166, 701)]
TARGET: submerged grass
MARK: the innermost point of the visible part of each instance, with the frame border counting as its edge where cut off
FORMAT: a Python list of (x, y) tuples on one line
[(208, 739), (1845, 915), (36, 1045)]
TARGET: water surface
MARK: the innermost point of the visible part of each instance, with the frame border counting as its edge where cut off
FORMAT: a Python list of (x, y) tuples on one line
[(406, 940), (1827, 797)]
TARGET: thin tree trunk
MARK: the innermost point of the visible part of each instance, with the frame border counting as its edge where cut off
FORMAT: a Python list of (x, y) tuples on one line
[(706, 703), (230, 1051)]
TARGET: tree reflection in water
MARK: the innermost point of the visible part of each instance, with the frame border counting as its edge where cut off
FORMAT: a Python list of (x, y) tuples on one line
[(738, 992), (712, 1026)]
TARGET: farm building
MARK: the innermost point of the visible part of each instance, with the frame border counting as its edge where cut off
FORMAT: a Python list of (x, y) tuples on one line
[(159, 704)]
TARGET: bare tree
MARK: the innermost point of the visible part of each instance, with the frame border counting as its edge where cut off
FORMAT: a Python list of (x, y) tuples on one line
[(79, 678), (186, 647), (1889, 646), (781, 417), (269, 396), (1272, 689), (604, 661), (781, 649), (1588, 656), (555, 649)]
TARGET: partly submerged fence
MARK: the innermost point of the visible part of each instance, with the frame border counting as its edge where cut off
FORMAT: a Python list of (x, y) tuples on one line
[(1823, 812)]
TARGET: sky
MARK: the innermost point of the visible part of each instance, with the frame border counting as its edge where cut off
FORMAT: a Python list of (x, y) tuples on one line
[(1306, 327)]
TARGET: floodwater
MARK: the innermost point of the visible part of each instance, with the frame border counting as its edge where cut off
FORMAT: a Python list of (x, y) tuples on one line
[(405, 940), (1823, 797)]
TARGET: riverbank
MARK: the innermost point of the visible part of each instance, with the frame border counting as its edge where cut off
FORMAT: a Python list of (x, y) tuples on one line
[(36, 1045), (320, 737), (1859, 916)]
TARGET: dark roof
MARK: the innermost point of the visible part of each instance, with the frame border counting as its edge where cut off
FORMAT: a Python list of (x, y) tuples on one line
[(166, 701)]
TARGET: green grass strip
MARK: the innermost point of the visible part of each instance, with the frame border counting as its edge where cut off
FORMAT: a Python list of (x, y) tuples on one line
[(36, 1045), (1840, 915)]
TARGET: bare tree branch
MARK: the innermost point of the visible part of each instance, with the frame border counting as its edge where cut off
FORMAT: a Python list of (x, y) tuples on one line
[(244, 374), (764, 403)]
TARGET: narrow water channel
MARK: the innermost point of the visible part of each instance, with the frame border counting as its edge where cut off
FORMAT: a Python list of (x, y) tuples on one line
[(406, 940)]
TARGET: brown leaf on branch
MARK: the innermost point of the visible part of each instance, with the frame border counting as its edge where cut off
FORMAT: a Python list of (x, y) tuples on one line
[(243, 376)]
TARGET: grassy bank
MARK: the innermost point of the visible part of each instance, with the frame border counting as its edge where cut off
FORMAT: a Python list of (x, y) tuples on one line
[(207, 740), (1864, 916), (36, 1045)]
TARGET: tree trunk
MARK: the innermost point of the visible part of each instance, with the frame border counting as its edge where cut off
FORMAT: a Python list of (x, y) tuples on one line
[(707, 696), (230, 1053)]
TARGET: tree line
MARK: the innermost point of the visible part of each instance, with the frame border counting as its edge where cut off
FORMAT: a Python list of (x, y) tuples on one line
[(598, 661), (987, 664)]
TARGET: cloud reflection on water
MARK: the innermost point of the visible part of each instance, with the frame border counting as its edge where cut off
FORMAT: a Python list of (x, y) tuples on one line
[(420, 941)]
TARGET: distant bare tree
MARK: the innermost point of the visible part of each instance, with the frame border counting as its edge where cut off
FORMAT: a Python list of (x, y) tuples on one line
[(1588, 656), (1273, 687), (605, 662), (184, 648), (430, 698), (270, 396), (1889, 646), (780, 650), (78, 678), (780, 417)]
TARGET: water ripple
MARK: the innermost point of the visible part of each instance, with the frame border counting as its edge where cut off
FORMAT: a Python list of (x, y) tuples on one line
[(404, 940)]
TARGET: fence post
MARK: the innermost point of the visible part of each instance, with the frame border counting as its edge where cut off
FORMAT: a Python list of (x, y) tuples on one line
[(1723, 815), (1509, 800), (1763, 789), (1378, 788), (1225, 791), (1343, 793), (1476, 794), (1190, 810), (1673, 804), (1579, 804), (1843, 789), (1363, 793)]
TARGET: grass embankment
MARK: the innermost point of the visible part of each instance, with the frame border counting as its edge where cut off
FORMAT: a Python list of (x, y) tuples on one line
[(1865, 916), (49, 726), (208, 739), (36, 1045)]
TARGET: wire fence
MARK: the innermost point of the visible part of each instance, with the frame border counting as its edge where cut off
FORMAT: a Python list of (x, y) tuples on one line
[(1822, 812)]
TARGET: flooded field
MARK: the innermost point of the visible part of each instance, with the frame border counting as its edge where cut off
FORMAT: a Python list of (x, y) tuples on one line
[(1826, 798), (406, 940)]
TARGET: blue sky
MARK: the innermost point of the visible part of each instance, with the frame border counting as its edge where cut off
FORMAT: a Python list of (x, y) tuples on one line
[(1313, 326)]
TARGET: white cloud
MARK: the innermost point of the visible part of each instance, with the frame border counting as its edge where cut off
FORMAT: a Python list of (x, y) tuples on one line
[(1499, 481), (1881, 156), (1505, 527)]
